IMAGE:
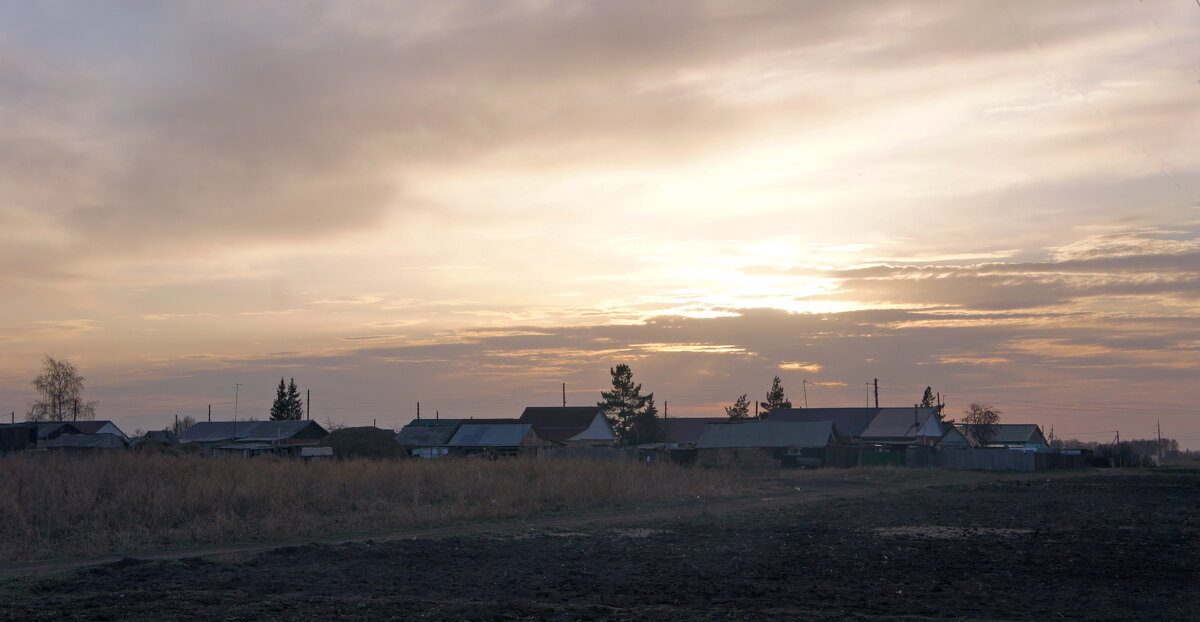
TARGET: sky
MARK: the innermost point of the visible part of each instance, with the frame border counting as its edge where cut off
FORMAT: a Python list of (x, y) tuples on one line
[(468, 204)]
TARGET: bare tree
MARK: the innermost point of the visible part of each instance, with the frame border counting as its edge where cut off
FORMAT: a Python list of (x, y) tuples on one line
[(61, 389), (982, 420)]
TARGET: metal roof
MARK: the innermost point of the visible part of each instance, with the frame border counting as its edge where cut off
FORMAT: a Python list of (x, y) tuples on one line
[(217, 431), (897, 422), (422, 434), (1008, 432), (688, 429), (86, 441), (559, 423), (767, 434), (97, 427), (849, 421), (490, 435)]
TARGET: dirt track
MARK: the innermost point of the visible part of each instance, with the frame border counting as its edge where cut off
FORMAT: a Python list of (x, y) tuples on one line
[(1105, 546)]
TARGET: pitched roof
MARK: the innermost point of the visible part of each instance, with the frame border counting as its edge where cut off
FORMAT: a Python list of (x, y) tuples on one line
[(767, 434), (216, 431), (97, 427), (87, 441), (1008, 432), (849, 421), (428, 432), (560, 423), (490, 435), (897, 422), (687, 429)]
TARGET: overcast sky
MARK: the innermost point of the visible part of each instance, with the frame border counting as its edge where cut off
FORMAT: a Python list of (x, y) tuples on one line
[(469, 203)]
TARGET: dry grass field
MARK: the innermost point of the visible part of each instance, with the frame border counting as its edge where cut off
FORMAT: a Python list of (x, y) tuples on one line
[(55, 506)]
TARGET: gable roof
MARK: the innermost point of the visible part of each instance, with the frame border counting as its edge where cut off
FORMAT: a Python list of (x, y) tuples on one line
[(97, 427), (849, 421), (767, 434), (216, 431), (428, 432), (1008, 432), (490, 435), (687, 429), (561, 423), (898, 422)]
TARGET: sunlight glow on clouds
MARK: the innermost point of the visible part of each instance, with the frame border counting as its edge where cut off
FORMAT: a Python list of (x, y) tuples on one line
[(477, 201)]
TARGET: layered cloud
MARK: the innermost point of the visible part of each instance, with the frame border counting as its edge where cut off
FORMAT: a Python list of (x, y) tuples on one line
[(509, 194)]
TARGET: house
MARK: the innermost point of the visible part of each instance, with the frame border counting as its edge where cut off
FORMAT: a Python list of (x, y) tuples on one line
[(428, 438), (767, 443), (161, 436), (86, 442), (572, 426), (251, 438), (497, 439), (898, 427), (1010, 435), (100, 427)]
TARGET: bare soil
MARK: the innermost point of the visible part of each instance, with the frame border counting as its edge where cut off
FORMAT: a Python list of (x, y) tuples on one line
[(1095, 546)]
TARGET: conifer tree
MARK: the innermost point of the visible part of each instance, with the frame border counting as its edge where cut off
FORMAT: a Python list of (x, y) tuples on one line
[(279, 408), (632, 415), (928, 400), (295, 405), (775, 397), (740, 408)]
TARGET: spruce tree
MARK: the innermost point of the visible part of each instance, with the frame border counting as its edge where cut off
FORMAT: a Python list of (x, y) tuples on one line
[(775, 397), (295, 405), (740, 408), (928, 400), (632, 415), (279, 408)]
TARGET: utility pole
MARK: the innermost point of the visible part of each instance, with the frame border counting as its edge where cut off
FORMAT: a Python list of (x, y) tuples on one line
[(804, 387), (418, 411), (210, 413), (13, 417), (1158, 424), (868, 394), (237, 388), (564, 395), (876, 393), (666, 407), (308, 402)]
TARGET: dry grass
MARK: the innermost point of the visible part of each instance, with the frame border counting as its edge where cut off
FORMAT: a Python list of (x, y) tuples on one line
[(71, 506)]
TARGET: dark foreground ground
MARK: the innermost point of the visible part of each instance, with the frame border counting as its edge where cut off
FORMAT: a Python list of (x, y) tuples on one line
[(1109, 546)]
